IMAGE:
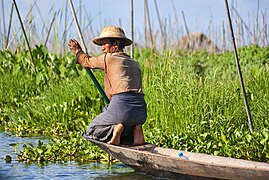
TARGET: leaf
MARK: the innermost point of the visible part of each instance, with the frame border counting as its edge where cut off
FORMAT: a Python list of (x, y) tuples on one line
[(38, 78), (40, 151), (40, 143), (16, 69), (263, 141), (8, 159), (204, 135), (62, 70), (208, 145), (2, 69), (265, 134), (48, 150), (223, 137), (248, 138), (86, 151)]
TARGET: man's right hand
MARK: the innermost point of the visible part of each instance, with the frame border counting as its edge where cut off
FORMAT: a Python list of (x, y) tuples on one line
[(74, 46)]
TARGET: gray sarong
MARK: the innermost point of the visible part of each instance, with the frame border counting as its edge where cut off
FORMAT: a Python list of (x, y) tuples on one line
[(130, 109)]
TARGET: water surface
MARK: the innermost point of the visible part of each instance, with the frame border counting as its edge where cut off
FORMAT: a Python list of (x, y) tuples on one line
[(69, 170)]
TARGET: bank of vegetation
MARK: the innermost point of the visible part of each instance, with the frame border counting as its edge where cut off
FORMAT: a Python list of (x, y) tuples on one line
[(194, 103)]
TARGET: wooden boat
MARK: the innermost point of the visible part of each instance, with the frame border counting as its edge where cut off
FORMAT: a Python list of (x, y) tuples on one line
[(164, 162)]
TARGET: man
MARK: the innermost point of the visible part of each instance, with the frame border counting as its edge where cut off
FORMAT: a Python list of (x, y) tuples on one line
[(121, 120)]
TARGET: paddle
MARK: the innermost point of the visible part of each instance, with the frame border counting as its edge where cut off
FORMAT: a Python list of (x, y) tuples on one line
[(89, 71)]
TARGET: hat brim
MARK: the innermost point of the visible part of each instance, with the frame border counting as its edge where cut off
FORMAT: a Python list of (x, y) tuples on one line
[(98, 41)]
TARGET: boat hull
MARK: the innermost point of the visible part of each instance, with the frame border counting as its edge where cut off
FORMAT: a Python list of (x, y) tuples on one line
[(164, 162)]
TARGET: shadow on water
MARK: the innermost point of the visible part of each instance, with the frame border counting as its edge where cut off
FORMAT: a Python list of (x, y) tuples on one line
[(69, 170)]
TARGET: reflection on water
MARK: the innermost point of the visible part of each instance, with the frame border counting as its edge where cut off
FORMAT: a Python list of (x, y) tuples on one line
[(69, 170)]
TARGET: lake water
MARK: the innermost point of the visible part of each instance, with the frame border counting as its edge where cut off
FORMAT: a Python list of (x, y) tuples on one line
[(70, 170)]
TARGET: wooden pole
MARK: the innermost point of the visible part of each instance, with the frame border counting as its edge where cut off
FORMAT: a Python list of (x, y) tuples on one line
[(145, 25), (25, 36), (65, 28), (239, 69), (256, 40), (3, 15), (89, 71), (149, 24), (9, 26), (15, 33), (223, 38), (185, 24), (241, 19), (160, 23), (48, 33), (132, 27), (175, 14)]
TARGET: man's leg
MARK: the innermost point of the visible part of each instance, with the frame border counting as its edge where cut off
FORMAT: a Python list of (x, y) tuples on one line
[(138, 135), (115, 140)]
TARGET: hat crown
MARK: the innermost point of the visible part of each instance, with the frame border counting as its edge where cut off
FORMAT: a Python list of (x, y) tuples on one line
[(112, 32)]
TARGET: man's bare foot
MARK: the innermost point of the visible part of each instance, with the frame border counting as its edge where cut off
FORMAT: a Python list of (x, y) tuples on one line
[(138, 135), (115, 140)]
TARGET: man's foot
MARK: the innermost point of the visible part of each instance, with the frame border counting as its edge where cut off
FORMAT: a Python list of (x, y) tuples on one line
[(138, 135), (115, 140)]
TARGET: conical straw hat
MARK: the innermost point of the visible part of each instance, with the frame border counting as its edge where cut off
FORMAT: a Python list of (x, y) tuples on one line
[(112, 32)]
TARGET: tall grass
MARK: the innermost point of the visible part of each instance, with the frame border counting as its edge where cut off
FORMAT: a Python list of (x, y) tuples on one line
[(200, 88)]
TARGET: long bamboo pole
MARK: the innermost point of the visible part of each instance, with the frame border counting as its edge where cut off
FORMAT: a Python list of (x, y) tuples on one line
[(239, 69), (175, 14), (3, 15), (24, 20), (145, 25), (185, 24), (49, 30), (149, 24), (132, 26), (65, 28), (25, 36), (9, 25), (160, 24), (89, 71), (241, 19), (257, 24)]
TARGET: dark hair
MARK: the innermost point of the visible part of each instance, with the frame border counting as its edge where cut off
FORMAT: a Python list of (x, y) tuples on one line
[(113, 41)]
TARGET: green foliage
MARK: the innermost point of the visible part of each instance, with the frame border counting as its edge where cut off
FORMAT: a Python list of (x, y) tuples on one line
[(198, 97), (54, 102), (194, 103), (234, 142), (71, 148)]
